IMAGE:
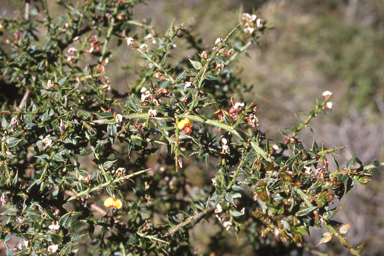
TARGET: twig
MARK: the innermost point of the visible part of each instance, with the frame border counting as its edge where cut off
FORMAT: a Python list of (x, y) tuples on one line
[(189, 220)]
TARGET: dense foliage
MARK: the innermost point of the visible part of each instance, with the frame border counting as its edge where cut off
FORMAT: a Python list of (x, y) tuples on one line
[(86, 168)]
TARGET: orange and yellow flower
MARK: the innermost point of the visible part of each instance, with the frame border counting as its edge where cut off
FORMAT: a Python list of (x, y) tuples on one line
[(185, 125)]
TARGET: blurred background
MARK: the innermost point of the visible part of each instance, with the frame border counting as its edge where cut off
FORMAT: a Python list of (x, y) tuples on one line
[(316, 45)]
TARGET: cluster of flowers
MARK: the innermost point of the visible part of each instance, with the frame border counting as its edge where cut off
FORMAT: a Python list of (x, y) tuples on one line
[(252, 23), (235, 111)]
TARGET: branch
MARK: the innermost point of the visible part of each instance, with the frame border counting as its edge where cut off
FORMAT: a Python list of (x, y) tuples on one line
[(194, 219)]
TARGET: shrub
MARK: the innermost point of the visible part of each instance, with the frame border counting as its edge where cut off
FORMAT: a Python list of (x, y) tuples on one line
[(88, 168)]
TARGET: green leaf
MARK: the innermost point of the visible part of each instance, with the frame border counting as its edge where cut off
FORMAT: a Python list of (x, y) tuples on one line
[(235, 213), (229, 199), (66, 249), (12, 142), (109, 164), (56, 239), (327, 236), (305, 211), (9, 251), (329, 215), (7, 237), (237, 188), (345, 228), (62, 81), (351, 163), (211, 78), (197, 65), (85, 152)]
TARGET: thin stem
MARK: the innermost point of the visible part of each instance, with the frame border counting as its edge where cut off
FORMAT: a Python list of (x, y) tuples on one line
[(89, 190)]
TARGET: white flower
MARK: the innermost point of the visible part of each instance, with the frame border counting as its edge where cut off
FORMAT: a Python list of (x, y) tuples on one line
[(119, 118), (143, 47), (143, 89), (72, 49), (55, 226), (53, 248), (188, 85), (242, 210), (329, 105), (327, 94), (249, 30), (225, 149), (130, 41), (214, 183), (152, 112), (254, 17), (239, 105), (227, 225), (259, 23), (145, 96), (224, 141), (218, 41), (49, 85), (149, 36), (218, 209), (246, 17), (47, 142)]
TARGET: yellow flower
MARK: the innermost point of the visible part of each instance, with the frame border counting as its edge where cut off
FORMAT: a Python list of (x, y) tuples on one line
[(184, 123), (111, 202)]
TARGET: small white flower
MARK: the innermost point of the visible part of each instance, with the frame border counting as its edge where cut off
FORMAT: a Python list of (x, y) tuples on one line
[(26, 243), (307, 170), (77, 38), (259, 23), (49, 85), (14, 121), (130, 41), (246, 17), (149, 36), (55, 226), (119, 118), (225, 149), (329, 105), (254, 17), (188, 85), (218, 41), (249, 30), (47, 142), (53, 248), (220, 218), (242, 210), (218, 209), (214, 183), (121, 169), (143, 47), (275, 147), (143, 89), (239, 105), (327, 94), (152, 112), (72, 49), (227, 225), (146, 95), (224, 141), (4, 199)]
